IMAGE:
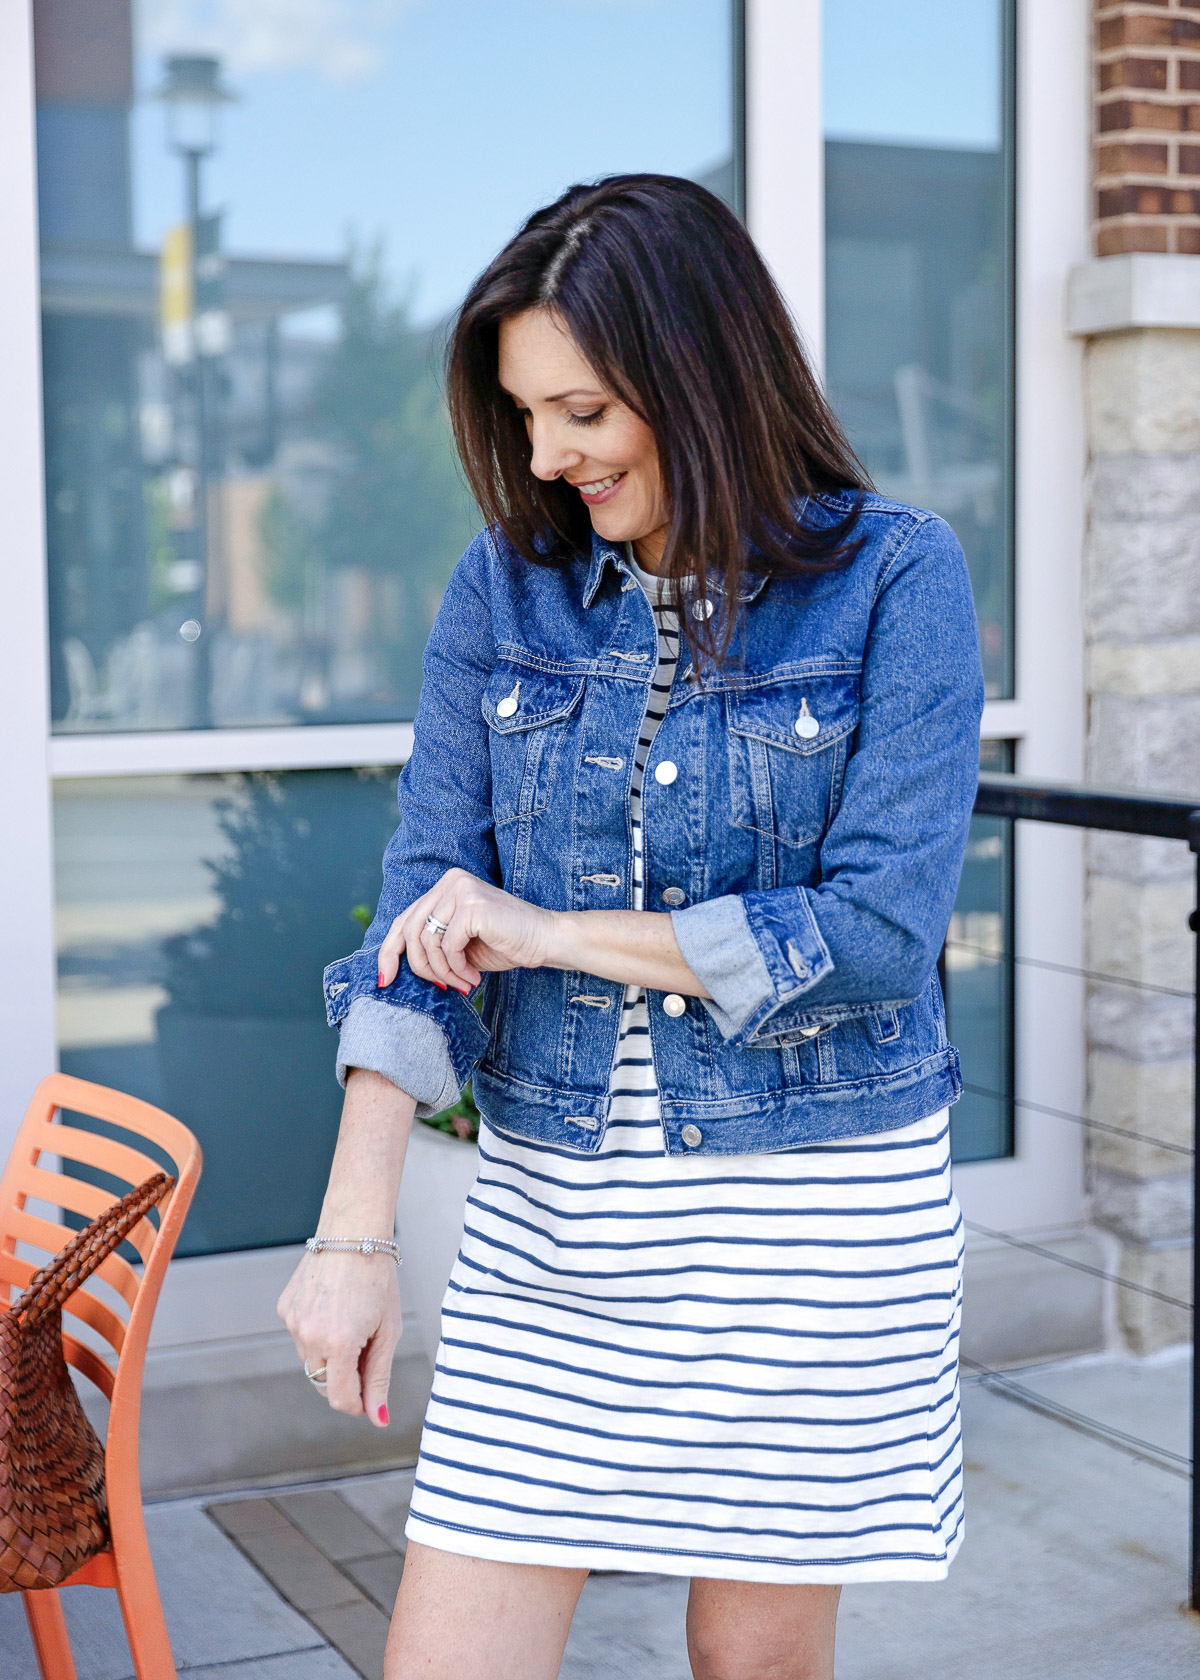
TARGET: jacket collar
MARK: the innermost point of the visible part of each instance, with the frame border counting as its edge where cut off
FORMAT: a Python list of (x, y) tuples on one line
[(605, 554)]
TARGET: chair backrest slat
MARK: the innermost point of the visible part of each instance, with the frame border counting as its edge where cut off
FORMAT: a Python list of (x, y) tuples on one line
[(84, 1306), (74, 1144), (14, 1272), (44, 1234), (89, 1362), (77, 1195)]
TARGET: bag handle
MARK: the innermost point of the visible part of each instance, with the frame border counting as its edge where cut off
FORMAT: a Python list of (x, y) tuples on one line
[(87, 1250)]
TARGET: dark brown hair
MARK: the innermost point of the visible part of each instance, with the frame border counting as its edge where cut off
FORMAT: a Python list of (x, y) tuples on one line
[(669, 302)]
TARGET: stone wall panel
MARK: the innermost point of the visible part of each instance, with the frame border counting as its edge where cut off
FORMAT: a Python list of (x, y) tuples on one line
[(1144, 486), (1149, 1325), (1141, 579), (1134, 858), (1151, 743), (1143, 390), (1141, 933)]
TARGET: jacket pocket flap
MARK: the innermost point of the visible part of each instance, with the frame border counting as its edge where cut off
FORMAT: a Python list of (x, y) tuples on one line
[(802, 714), (518, 698)]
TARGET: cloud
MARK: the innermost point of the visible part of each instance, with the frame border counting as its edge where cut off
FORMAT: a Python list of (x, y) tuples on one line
[(342, 39)]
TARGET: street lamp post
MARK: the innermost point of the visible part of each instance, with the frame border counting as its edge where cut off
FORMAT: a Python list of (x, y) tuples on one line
[(193, 94)]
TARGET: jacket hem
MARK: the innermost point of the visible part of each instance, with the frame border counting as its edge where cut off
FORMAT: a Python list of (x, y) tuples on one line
[(759, 1123)]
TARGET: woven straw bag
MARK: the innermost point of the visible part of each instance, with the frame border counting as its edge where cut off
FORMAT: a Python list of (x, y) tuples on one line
[(52, 1502)]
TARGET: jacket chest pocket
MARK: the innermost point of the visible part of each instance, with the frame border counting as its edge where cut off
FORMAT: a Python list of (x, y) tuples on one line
[(789, 741), (528, 713)]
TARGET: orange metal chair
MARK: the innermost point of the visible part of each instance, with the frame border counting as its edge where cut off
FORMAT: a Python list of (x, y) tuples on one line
[(125, 1564)]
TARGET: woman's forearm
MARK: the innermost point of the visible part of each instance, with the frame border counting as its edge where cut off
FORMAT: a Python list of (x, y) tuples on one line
[(364, 1179), (637, 947)]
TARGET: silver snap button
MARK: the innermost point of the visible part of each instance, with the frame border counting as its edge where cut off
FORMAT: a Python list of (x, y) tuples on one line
[(809, 1032), (806, 723), (666, 772), (702, 609), (673, 895), (508, 705), (692, 1136), (673, 1004)]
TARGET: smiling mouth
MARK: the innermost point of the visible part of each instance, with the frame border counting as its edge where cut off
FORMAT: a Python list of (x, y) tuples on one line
[(598, 486)]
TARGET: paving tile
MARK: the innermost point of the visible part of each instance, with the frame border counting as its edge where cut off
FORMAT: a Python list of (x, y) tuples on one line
[(289, 1560), (333, 1525), (630, 1625), (240, 1517), (383, 1501), (359, 1631), (379, 1577), (319, 1663), (1148, 1398)]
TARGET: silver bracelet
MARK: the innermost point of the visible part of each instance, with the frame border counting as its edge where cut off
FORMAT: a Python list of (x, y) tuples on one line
[(356, 1245)]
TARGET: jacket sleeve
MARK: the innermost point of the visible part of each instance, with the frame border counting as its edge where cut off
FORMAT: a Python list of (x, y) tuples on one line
[(869, 933), (425, 1040)]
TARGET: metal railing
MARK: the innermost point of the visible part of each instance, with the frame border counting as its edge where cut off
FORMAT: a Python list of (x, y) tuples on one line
[(1159, 817)]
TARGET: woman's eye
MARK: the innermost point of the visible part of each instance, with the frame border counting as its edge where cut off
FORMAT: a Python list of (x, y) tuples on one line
[(586, 419)]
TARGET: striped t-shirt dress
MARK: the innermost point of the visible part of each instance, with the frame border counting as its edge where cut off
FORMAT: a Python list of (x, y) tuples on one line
[(742, 1367)]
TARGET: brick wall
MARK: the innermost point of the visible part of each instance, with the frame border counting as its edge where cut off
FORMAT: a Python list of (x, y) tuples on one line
[(1146, 131)]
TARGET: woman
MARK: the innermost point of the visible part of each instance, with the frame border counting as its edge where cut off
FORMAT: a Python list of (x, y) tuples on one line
[(684, 817)]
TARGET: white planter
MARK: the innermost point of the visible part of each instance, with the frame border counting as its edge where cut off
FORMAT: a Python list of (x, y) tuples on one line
[(438, 1174)]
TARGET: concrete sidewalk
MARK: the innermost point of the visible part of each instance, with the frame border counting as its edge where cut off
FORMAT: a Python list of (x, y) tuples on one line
[(1074, 1566)]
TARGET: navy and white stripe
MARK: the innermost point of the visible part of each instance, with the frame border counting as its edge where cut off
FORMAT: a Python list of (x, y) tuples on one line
[(743, 1368)]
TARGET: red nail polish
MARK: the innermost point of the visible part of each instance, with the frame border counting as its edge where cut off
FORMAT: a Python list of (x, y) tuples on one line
[(383, 1415), (440, 984), (380, 981)]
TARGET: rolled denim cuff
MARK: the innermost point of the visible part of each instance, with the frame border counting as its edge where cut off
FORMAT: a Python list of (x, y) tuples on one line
[(755, 953), (720, 950), (405, 1046)]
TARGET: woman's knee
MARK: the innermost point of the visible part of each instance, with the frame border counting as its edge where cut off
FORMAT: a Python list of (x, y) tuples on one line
[(756, 1631), (718, 1660)]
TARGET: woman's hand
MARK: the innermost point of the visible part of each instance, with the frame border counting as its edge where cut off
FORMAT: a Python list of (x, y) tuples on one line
[(343, 1309), (343, 1312), (487, 930)]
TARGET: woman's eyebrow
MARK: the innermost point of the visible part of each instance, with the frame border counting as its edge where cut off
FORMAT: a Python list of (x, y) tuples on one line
[(561, 396), (581, 391)]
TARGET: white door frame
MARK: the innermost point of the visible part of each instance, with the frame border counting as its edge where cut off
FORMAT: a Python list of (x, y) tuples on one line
[(27, 1034)]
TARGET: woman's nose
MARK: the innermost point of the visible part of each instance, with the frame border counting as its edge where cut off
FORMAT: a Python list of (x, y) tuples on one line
[(553, 455)]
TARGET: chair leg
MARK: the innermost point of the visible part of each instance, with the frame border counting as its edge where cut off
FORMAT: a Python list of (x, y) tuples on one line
[(48, 1630), (141, 1608)]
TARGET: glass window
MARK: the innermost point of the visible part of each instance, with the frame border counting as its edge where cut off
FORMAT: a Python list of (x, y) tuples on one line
[(918, 195), (977, 977), (256, 220), (195, 914)]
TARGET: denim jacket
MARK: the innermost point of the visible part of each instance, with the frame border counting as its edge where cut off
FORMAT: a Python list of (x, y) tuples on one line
[(805, 812)]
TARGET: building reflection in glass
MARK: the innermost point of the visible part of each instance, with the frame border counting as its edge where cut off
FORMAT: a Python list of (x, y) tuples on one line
[(918, 195)]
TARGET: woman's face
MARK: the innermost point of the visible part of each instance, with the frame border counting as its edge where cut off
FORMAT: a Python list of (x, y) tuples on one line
[(578, 431)]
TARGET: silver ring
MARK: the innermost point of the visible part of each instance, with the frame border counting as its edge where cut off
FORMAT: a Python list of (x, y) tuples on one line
[(432, 925), (318, 1377)]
